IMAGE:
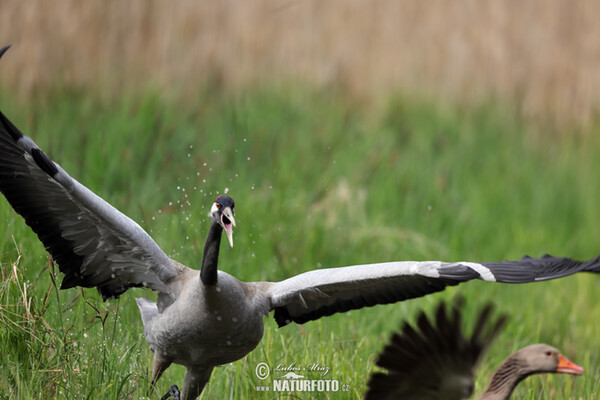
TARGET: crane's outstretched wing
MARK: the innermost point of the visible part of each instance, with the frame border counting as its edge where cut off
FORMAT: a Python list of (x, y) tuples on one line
[(434, 359), (93, 243), (323, 292)]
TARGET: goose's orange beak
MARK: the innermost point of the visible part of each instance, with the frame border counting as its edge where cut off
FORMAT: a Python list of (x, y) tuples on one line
[(566, 366)]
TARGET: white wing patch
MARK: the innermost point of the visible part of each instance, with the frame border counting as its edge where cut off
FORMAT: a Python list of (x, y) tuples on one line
[(482, 270)]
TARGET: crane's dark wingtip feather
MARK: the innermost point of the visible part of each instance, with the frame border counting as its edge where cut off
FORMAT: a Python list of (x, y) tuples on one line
[(3, 50), (107, 290), (458, 272), (47, 230), (71, 279), (593, 265), (529, 269), (21, 190), (45, 163), (12, 130), (282, 317)]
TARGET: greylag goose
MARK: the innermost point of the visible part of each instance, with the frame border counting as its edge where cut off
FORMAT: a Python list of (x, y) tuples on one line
[(436, 361), (206, 318)]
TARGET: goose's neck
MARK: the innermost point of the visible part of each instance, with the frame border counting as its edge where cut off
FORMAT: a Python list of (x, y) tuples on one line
[(505, 379), (210, 259)]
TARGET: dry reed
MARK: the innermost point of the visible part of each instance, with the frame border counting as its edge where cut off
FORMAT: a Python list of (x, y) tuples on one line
[(543, 55)]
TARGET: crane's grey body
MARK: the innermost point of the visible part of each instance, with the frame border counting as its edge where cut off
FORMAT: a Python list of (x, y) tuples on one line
[(207, 318), (226, 319)]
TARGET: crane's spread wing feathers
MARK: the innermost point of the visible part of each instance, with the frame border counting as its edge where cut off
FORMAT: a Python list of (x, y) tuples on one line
[(323, 292), (93, 243)]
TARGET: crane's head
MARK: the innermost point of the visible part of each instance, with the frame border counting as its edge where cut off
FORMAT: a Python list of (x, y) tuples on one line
[(221, 213)]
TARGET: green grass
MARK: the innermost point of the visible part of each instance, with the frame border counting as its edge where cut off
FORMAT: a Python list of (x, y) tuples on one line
[(318, 181)]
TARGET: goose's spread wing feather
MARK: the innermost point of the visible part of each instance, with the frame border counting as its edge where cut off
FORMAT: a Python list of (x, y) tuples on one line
[(434, 359), (323, 292), (93, 243)]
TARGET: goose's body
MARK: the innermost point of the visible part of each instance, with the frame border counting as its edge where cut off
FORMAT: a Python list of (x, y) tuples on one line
[(435, 360), (206, 318)]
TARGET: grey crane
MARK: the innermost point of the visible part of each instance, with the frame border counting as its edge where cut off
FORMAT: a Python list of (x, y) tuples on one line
[(206, 318), (435, 360)]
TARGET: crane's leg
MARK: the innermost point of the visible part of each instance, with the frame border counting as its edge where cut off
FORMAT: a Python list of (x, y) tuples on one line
[(194, 381), (159, 366), (173, 392)]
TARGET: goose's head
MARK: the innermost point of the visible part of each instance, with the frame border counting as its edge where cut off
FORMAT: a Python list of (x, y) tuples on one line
[(221, 213), (544, 358)]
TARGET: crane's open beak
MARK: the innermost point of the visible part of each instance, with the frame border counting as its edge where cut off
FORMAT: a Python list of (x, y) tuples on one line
[(228, 222), (566, 366)]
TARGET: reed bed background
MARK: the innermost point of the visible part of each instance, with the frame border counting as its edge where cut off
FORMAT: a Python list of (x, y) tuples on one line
[(541, 56)]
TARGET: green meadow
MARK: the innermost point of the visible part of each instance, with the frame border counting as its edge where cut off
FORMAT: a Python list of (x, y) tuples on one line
[(319, 180)]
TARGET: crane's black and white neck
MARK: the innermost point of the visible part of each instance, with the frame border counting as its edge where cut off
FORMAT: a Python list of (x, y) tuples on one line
[(222, 219)]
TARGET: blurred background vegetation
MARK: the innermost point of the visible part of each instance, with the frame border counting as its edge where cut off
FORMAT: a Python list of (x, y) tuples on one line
[(347, 131), (542, 57)]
